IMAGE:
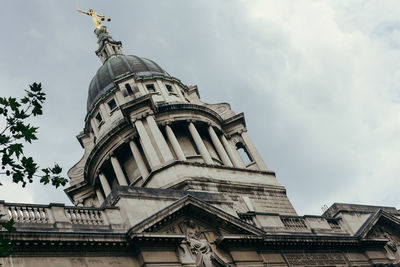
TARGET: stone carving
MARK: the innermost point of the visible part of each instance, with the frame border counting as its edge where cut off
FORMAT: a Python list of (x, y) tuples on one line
[(196, 249), (199, 247), (315, 259), (392, 246)]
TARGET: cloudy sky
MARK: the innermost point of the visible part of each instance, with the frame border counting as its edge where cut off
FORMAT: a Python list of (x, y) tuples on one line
[(318, 82)]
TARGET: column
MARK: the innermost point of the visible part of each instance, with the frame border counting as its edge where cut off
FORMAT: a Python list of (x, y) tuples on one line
[(175, 144), (159, 139), (100, 196), (199, 143), (220, 149), (177, 89), (94, 127), (151, 154), (162, 90), (238, 163), (104, 113), (105, 184), (254, 153), (141, 88), (118, 171), (139, 159)]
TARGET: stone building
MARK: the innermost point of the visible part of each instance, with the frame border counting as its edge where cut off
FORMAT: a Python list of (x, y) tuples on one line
[(168, 180)]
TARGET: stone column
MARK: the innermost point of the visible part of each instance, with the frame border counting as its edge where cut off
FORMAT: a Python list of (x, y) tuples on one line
[(105, 184), (104, 113), (100, 196), (200, 145), (162, 90), (179, 92), (238, 163), (220, 149), (254, 153), (141, 88), (118, 171), (159, 139), (175, 144), (94, 127), (151, 154), (139, 159)]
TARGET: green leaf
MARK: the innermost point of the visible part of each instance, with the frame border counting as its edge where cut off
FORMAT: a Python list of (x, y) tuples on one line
[(8, 225), (18, 177), (45, 179), (29, 165), (24, 100), (4, 139), (15, 148), (36, 87), (13, 103), (56, 169), (37, 111), (20, 114), (3, 101)]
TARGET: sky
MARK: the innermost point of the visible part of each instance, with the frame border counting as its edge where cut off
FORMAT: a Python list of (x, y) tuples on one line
[(318, 82)]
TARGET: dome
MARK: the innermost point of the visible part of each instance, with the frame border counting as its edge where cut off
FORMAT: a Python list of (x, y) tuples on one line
[(117, 66)]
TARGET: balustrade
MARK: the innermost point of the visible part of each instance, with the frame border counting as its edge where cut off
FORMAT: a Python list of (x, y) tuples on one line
[(294, 222), (28, 213), (41, 214), (84, 216)]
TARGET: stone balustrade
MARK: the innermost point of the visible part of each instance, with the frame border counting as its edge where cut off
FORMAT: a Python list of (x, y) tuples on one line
[(290, 223), (294, 222), (60, 216), (84, 215), (26, 213)]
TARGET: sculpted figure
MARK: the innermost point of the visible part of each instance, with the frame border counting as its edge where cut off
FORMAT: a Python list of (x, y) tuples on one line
[(198, 246), (95, 17)]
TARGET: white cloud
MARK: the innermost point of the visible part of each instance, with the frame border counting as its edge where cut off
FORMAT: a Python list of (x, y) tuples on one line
[(338, 96)]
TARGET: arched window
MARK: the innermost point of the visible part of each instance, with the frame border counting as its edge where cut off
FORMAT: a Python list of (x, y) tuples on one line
[(129, 89), (244, 154)]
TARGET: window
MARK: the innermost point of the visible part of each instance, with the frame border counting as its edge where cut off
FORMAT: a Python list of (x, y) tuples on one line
[(129, 89), (99, 119), (111, 104), (169, 88), (150, 88), (244, 154)]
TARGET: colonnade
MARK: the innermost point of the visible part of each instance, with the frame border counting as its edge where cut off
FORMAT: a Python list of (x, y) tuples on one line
[(228, 155)]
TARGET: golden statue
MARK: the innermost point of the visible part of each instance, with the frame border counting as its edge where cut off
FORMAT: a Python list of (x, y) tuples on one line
[(95, 17)]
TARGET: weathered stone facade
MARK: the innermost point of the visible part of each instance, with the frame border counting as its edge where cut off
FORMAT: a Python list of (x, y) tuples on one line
[(168, 180)]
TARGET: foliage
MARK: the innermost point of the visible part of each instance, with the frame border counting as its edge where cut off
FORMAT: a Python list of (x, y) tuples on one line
[(18, 131), (5, 247)]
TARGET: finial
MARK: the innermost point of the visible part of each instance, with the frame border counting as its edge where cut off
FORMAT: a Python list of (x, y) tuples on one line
[(95, 17)]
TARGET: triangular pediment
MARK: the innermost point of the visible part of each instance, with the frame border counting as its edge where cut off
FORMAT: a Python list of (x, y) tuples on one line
[(383, 226), (195, 228), (378, 220), (171, 220)]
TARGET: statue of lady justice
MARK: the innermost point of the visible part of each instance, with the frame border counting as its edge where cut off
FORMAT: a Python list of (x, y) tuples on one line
[(95, 17)]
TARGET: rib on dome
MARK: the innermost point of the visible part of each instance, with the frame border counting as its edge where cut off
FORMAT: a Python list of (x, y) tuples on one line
[(118, 66)]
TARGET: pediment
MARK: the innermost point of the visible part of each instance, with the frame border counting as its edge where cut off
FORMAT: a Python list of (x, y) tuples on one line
[(190, 210), (195, 227), (384, 226), (380, 219)]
